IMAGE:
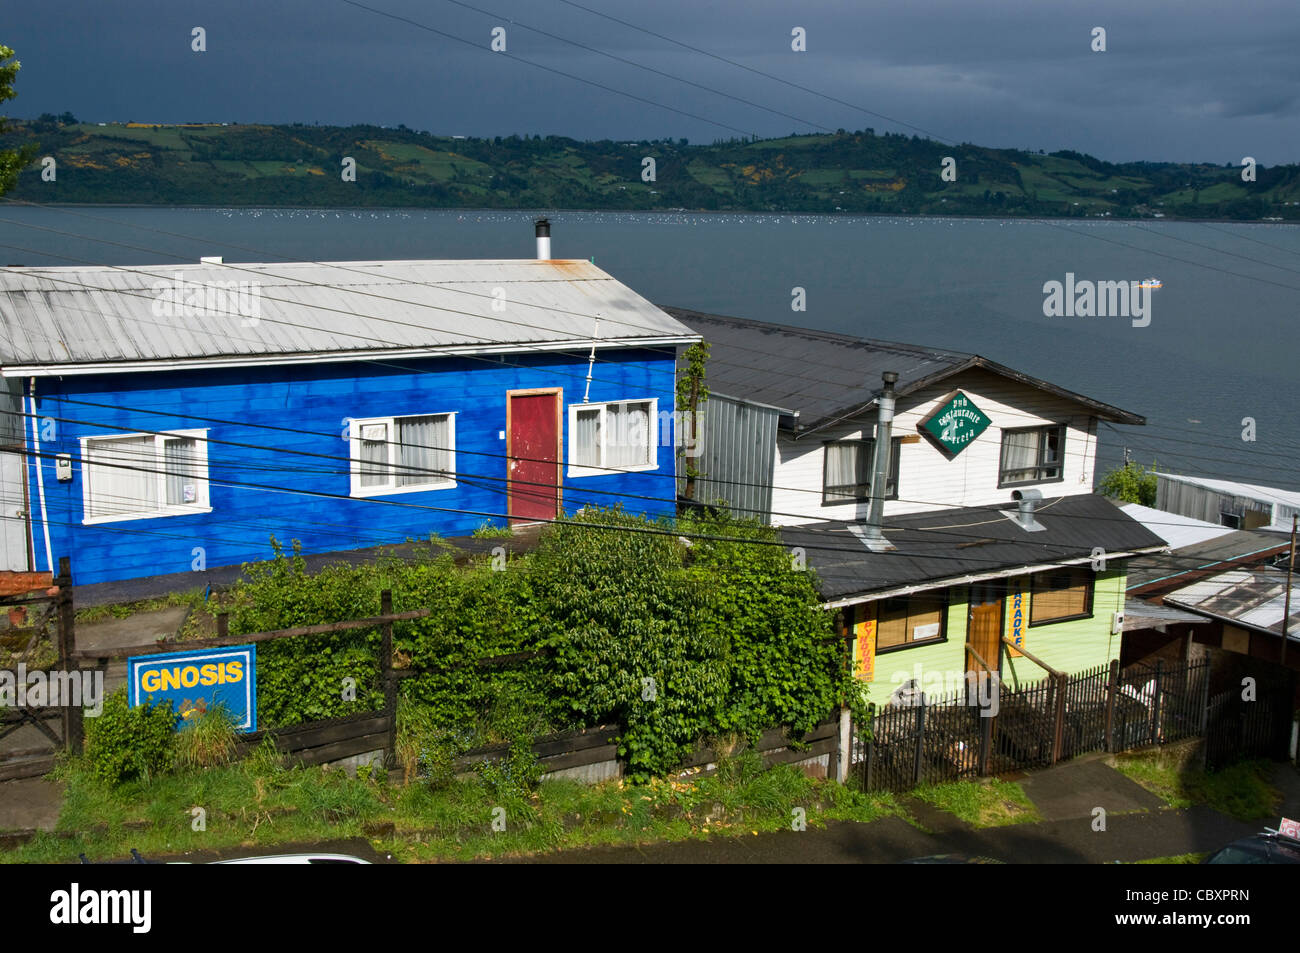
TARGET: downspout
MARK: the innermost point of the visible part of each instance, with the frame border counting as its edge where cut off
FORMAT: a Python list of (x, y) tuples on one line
[(40, 474)]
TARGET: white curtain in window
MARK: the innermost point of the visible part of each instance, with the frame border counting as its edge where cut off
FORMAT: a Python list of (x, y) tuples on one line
[(628, 443), (180, 461), (123, 476), (1020, 455), (586, 449), (848, 470), (424, 450), (374, 454)]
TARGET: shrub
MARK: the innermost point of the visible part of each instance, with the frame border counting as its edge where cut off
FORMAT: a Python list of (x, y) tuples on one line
[(611, 619), (206, 741), (1131, 483), (125, 744)]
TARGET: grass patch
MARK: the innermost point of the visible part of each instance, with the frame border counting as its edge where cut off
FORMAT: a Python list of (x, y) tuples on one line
[(1175, 859), (992, 804), (486, 530), (1241, 790), (260, 802)]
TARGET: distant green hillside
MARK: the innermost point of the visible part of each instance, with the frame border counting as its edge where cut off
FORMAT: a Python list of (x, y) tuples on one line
[(851, 172)]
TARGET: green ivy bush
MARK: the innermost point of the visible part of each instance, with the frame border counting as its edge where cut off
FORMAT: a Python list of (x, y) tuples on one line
[(126, 744), (618, 620)]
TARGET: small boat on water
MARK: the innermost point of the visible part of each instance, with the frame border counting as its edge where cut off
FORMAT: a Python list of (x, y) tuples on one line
[(1152, 283)]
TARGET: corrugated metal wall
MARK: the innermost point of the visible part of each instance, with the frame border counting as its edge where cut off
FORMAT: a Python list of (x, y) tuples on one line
[(1201, 503), (737, 452)]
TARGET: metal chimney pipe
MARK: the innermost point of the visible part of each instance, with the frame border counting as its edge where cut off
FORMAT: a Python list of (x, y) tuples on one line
[(1027, 501), (874, 536), (543, 228)]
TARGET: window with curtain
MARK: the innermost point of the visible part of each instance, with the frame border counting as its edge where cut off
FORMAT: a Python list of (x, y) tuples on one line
[(612, 436), (395, 454), (1058, 594), (1032, 455), (141, 476), (846, 473), (911, 620)]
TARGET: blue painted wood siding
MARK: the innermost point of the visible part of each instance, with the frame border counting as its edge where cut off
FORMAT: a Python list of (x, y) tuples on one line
[(296, 496)]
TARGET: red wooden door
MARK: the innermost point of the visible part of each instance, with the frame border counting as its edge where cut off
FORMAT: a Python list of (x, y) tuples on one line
[(533, 482)]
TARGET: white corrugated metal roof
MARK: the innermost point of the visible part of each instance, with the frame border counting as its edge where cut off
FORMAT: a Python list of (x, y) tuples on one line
[(1268, 494), (61, 320), (1254, 598), (1176, 530)]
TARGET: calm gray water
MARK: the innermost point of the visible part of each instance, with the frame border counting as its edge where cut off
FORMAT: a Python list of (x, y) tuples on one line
[(1221, 344)]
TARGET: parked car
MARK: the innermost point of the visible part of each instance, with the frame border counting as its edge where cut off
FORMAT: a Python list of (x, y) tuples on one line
[(1269, 847), (951, 859), (296, 859)]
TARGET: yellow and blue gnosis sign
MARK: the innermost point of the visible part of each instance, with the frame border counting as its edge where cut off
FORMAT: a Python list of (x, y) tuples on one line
[(195, 681)]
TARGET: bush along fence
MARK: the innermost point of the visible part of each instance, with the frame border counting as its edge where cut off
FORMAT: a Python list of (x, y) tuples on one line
[(1062, 716), (588, 754), (681, 635)]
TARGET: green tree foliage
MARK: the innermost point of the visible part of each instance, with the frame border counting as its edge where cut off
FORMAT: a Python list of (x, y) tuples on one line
[(1131, 483), (12, 161), (612, 619)]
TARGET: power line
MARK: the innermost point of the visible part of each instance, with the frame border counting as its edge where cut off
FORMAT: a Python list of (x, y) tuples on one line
[(758, 72), (549, 69)]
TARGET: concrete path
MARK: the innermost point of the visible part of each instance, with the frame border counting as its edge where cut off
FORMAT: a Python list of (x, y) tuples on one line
[(1075, 788), (139, 629), (30, 804)]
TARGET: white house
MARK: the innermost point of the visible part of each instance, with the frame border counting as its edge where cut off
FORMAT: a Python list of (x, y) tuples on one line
[(966, 432)]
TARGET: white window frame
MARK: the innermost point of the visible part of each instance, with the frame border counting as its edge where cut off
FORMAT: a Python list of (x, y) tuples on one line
[(391, 488), (652, 434), (201, 504)]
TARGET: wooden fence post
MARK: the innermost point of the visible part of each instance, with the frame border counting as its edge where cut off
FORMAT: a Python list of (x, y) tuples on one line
[(390, 683), (73, 725), (1112, 686), (223, 624), (1058, 716), (869, 751), (1205, 698), (920, 741), (1155, 705), (986, 732)]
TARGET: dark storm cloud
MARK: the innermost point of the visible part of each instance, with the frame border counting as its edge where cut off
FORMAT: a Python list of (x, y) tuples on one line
[(1181, 80)]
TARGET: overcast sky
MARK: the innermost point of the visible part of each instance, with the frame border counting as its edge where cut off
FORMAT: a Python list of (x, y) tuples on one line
[(1181, 80)]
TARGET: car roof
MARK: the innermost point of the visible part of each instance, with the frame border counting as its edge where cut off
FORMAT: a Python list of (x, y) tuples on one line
[(295, 859)]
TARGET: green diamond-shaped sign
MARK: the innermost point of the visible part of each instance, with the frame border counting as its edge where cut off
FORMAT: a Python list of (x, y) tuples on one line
[(956, 423)]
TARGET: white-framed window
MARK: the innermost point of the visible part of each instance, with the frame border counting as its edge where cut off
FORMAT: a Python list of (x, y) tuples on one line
[(619, 435), (403, 454), (140, 476)]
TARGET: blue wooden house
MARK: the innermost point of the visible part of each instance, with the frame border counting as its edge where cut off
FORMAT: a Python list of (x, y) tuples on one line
[(167, 419)]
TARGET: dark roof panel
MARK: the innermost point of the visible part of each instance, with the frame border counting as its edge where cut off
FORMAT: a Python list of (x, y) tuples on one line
[(946, 544), (823, 376)]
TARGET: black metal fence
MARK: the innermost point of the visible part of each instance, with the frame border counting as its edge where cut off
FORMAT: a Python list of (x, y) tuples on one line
[(1037, 724), (1254, 722)]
